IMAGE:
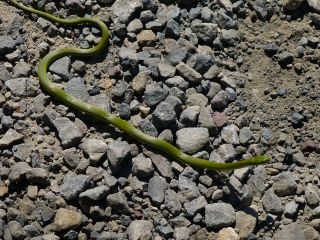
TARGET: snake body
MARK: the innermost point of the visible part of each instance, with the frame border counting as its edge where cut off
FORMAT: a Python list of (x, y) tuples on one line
[(101, 114)]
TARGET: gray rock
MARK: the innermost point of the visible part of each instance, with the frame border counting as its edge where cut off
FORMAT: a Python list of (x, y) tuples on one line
[(224, 21), (172, 29), (73, 185), (147, 127), (230, 37), (18, 172), (117, 152), (212, 73), (312, 195), (292, 5), (69, 133), (288, 232), (220, 100), (18, 86), (299, 158), (201, 62), (189, 116), (94, 148), (200, 137), (79, 66), (77, 88), (118, 202), (195, 206), (177, 81), (172, 202), (66, 219), (177, 56), (7, 44), (38, 176), (156, 189), (314, 5), (142, 166), (124, 10), (9, 138), (154, 94), (61, 67), (140, 229), (94, 194), (291, 209), (214, 89), (130, 55), (245, 135), (196, 99), (284, 184), (105, 1), (207, 32), (166, 70), (188, 73), (21, 69), (246, 221), (227, 152), (164, 115), (181, 233), (140, 81), (188, 190), (162, 164), (75, 4), (230, 134), (219, 215), (16, 230), (135, 26), (271, 202), (180, 221), (205, 119)]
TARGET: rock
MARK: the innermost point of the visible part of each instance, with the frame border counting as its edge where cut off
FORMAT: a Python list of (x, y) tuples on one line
[(230, 37), (73, 185), (195, 206), (177, 56), (9, 138), (230, 134), (142, 166), (156, 189), (7, 44), (162, 164), (202, 62), (18, 172), (75, 4), (17, 86), (164, 115), (77, 88), (271, 202), (227, 152), (140, 229), (140, 81), (188, 190), (288, 232), (181, 233), (299, 158), (66, 219), (61, 67), (94, 194), (21, 69), (314, 4), (69, 133), (38, 176), (188, 73), (291, 209), (205, 119), (285, 58), (246, 221), (284, 184), (166, 70), (228, 234), (172, 29), (117, 152), (146, 38), (154, 94), (218, 215), (135, 26), (94, 148), (310, 233), (200, 137), (16, 230), (124, 11), (245, 135), (206, 32), (197, 99), (292, 5), (189, 116), (312, 195), (118, 202), (220, 100), (172, 202)]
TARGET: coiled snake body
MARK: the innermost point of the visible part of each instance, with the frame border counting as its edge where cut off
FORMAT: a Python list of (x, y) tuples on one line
[(99, 113)]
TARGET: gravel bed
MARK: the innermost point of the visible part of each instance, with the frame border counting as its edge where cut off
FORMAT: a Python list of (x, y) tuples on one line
[(222, 80)]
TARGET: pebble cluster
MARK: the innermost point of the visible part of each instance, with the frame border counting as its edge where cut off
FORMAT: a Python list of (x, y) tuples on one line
[(176, 70)]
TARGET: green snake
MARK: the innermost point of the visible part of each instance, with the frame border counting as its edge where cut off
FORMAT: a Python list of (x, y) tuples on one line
[(101, 114)]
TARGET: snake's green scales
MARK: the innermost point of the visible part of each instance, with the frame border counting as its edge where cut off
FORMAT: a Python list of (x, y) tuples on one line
[(99, 113)]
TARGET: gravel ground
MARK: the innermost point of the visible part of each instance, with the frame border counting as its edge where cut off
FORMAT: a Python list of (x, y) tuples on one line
[(223, 80)]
